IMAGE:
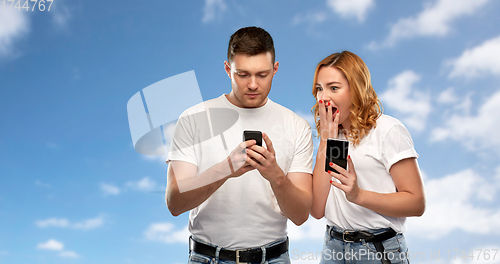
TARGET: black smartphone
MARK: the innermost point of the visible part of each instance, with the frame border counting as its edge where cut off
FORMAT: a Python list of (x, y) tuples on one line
[(336, 152), (249, 134)]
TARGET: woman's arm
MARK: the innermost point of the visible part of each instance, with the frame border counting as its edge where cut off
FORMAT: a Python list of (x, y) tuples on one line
[(409, 200), (321, 186)]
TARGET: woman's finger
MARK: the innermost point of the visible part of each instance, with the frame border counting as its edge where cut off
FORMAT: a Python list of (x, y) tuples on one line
[(339, 177)]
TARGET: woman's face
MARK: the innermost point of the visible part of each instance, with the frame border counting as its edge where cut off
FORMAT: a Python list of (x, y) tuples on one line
[(332, 86)]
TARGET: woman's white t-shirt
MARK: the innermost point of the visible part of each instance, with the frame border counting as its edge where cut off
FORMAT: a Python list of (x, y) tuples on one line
[(385, 145)]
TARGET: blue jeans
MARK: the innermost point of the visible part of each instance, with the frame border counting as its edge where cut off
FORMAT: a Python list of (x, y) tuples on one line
[(337, 251), (195, 258)]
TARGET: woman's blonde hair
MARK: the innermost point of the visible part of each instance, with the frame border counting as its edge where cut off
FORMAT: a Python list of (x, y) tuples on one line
[(365, 106)]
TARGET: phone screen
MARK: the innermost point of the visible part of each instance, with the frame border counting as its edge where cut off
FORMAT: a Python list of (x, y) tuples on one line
[(257, 135), (336, 152)]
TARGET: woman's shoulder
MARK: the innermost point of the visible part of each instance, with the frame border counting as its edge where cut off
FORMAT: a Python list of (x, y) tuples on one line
[(385, 123)]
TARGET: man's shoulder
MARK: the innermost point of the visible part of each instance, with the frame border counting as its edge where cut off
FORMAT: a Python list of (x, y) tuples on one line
[(200, 107), (286, 112)]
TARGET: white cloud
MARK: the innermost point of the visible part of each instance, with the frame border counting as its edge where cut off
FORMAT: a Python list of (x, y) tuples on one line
[(42, 184), (311, 18), (52, 145), (157, 158), (478, 61), (57, 222), (434, 20), (55, 245), (145, 184), (414, 105), (65, 223), (89, 223), (357, 9), (212, 9), (312, 229), (51, 245), (109, 189), (68, 254), (164, 232), (61, 15), (475, 132), (13, 25), (451, 206), (447, 96)]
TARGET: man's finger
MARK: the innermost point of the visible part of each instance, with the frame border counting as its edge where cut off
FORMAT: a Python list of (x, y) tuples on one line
[(269, 143), (251, 161), (255, 155)]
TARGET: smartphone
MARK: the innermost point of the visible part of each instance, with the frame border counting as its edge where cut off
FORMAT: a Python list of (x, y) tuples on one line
[(249, 134), (336, 152)]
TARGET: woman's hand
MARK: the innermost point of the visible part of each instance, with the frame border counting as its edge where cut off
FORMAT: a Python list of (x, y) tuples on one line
[(348, 180), (329, 125)]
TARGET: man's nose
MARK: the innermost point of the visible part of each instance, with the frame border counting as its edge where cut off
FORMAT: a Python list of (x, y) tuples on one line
[(253, 83)]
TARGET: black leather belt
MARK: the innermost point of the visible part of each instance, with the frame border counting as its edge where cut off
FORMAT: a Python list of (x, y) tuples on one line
[(240, 256), (357, 236)]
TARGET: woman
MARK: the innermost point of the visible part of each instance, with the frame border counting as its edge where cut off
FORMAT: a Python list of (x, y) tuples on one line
[(367, 204)]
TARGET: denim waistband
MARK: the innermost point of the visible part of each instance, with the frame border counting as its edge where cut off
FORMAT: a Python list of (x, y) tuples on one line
[(270, 244), (371, 231)]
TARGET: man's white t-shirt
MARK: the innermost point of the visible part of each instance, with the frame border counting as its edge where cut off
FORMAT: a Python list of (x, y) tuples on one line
[(385, 145), (243, 212)]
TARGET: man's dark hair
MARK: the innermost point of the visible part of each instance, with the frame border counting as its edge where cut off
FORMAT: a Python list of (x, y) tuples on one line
[(250, 41)]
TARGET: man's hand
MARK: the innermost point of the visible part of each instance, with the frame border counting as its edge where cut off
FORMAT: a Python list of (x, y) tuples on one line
[(237, 160), (264, 160)]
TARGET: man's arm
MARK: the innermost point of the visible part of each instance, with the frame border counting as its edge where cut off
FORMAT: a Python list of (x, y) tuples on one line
[(179, 202), (293, 191), (187, 190), (294, 195)]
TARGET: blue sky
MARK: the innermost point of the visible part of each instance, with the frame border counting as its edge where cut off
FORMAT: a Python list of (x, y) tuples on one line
[(73, 189)]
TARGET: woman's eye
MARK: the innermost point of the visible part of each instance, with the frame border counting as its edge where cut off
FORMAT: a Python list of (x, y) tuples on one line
[(334, 88), (319, 88)]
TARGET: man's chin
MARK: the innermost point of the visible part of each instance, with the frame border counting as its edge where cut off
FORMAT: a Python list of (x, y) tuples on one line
[(254, 102)]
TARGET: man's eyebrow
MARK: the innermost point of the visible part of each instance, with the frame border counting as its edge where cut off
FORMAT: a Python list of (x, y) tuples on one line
[(263, 71)]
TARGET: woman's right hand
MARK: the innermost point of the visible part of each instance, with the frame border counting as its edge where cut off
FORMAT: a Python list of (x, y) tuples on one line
[(329, 126)]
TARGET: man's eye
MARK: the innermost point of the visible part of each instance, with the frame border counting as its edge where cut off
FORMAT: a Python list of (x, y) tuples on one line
[(262, 75), (242, 74)]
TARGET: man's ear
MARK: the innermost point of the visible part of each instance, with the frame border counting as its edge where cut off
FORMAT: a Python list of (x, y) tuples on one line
[(275, 67), (227, 68)]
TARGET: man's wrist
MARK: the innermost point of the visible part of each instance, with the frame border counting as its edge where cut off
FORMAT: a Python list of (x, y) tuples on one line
[(279, 180), (224, 169)]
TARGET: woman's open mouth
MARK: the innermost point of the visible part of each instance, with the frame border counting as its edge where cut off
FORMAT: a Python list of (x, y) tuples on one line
[(334, 110)]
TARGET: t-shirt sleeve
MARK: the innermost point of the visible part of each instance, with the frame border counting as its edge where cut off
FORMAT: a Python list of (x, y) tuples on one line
[(397, 145), (182, 144), (303, 153)]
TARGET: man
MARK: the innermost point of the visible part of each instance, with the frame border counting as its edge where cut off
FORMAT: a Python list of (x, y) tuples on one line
[(240, 202)]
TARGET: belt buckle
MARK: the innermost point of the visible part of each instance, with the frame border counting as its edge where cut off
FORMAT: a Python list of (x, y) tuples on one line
[(347, 232), (238, 256)]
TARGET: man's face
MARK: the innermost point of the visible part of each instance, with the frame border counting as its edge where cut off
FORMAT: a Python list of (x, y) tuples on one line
[(251, 79)]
